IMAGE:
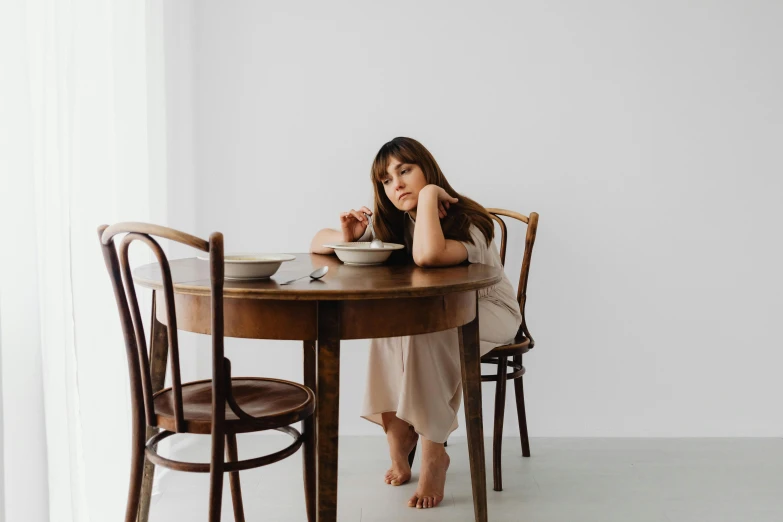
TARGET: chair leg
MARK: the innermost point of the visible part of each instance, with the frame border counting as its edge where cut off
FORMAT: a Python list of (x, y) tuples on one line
[(500, 410), (216, 478), (519, 391), (159, 350), (146, 483), (233, 478), (216, 462), (137, 472), (309, 463), (412, 455)]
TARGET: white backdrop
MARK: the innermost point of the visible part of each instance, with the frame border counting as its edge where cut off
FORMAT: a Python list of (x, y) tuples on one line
[(646, 134)]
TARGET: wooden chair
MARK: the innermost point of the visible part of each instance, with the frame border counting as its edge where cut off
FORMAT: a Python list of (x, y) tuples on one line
[(510, 355), (220, 407)]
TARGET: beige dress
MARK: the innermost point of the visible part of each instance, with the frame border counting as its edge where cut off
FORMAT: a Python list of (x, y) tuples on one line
[(419, 376)]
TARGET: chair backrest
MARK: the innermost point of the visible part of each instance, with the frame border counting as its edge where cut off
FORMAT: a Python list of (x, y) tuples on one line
[(130, 315), (530, 239)]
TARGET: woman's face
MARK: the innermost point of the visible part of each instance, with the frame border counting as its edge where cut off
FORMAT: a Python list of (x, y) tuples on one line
[(402, 184)]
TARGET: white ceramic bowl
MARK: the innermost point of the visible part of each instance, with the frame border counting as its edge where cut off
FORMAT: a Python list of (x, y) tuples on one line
[(360, 253), (252, 266)]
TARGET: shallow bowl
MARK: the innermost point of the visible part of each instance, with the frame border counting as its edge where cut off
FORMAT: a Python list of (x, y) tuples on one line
[(361, 254), (252, 266)]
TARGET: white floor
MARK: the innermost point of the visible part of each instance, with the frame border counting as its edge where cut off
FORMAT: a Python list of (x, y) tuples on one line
[(566, 480)]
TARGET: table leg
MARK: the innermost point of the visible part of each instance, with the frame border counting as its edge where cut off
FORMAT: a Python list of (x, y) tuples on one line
[(309, 453), (470, 359), (159, 351), (328, 406)]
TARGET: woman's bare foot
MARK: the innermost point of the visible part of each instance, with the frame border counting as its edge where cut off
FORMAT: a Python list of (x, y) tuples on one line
[(432, 480), (402, 439)]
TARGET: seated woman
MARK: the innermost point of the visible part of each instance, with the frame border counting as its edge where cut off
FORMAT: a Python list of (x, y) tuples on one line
[(414, 383)]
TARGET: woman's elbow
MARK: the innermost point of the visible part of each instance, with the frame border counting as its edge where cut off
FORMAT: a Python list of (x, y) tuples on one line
[(319, 249), (425, 260)]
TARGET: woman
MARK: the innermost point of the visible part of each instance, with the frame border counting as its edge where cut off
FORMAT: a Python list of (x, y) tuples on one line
[(414, 383)]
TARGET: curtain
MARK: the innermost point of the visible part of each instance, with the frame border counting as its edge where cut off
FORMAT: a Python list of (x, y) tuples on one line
[(81, 133)]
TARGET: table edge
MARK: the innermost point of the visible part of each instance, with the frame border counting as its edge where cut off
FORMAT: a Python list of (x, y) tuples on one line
[(326, 295)]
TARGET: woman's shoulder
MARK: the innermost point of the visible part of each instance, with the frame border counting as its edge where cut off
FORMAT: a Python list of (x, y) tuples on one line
[(478, 236)]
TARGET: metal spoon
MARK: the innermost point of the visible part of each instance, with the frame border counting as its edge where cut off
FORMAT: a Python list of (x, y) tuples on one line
[(375, 243), (318, 273)]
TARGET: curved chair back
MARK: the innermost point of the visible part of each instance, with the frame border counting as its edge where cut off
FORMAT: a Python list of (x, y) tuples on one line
[(130, 315), (530, 238)]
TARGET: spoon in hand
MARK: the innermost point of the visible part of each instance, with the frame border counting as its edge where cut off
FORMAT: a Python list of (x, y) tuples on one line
[(375, 243), (316, 274)]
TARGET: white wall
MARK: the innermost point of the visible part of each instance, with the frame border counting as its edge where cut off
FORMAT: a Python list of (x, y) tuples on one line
[(177, 27), (646, 134)]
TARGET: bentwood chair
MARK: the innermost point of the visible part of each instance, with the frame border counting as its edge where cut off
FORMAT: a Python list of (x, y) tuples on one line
[(510, 355), (222, 406)]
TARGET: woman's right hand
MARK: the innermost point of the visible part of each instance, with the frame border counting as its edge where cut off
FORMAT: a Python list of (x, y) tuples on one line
[(354, 223)]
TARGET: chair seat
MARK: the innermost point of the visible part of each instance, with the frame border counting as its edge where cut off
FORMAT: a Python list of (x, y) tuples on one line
[(278, 403), (520, 345)]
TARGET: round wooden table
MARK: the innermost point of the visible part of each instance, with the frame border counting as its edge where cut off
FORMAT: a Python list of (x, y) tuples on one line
[(350, 302)]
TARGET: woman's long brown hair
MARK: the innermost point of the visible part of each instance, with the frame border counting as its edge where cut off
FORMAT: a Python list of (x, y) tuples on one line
[(389, 221)]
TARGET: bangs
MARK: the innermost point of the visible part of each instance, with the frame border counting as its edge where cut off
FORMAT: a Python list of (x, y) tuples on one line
[(397, 148)]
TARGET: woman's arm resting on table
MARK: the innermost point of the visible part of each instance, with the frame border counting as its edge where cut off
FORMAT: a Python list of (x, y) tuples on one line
[(430, 248)]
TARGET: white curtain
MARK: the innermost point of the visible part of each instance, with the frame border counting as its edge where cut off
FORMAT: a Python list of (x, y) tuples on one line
[(80, 147)]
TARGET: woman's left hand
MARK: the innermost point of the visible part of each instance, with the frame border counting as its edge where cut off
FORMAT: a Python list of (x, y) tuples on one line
[(444, 199)]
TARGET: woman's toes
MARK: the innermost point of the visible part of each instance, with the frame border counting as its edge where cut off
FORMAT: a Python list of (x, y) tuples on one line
[(395, 478)]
